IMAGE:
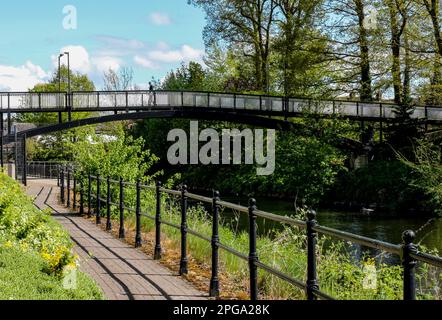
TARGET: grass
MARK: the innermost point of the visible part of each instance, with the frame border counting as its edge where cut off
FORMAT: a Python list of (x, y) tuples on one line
[(22, 278), (36, 257)]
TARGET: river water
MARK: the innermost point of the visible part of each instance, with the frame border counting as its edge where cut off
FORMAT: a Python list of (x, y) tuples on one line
[(389, 229)]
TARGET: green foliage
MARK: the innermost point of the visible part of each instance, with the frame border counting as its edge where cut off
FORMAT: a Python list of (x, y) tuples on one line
[(35, 251), (427, 172), (386, 183), (118, 155)]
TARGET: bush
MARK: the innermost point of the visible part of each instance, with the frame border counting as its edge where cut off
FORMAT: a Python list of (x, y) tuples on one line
[(32, 243)]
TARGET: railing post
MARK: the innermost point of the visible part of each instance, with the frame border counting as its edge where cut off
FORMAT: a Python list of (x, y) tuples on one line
[(62, 185), (98, 213), (74, 205), (409, 264), (68, 200), (253, 256), (81, 197), (138, 216), (89, 196), (312, 282), (214, 282), (58, 175), (108, 206), (183, 260), (158, 251), (122, 232)]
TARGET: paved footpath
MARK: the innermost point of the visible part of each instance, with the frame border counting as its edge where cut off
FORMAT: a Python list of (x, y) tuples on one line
[(123, 272)]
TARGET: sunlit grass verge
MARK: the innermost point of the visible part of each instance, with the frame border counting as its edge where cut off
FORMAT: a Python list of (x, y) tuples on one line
[(36, 252), (22, 278)]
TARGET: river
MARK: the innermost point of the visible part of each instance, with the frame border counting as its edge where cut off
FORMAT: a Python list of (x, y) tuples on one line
[(389, 229)]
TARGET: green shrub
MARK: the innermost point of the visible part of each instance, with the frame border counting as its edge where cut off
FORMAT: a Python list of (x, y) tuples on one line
[(35, 251)]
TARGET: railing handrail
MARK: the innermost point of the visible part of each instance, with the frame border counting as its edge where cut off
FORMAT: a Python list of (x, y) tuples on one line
[(204, 92), (408, 251)]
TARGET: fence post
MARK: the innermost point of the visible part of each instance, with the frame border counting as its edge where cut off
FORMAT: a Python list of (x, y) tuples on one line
[(98, 213), (74, 205), (108, 206), (214, 282), (157, 254), (81, 197), (409, 264), (138, 216), (183, 260), (68, 200), (62, 185), (312, 282), (89, 196), (122, 233), (253, 256), (58, 175)]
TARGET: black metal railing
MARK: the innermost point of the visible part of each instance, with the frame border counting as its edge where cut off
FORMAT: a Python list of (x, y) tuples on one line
[(407, 251), (43, 170)]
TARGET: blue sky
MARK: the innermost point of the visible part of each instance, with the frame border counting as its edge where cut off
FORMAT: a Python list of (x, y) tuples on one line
[(151, 36)]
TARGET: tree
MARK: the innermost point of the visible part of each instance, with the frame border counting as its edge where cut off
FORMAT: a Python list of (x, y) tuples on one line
[(433, 8), (244, 24), (119, 81), (349, 34), (79, 82), (299, 47)]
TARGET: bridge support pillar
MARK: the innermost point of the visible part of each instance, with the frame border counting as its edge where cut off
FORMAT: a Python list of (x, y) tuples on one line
[(25, 164), (9, 124)]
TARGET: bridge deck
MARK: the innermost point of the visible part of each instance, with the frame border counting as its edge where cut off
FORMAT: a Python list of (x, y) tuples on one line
[(105, 101), (123, 272)]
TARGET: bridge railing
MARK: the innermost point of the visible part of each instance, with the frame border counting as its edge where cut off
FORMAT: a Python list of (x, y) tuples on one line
[(32, 101), (95, 195), (139, 99)]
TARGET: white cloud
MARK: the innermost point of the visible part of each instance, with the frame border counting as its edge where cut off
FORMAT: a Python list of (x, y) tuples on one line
[(160, 19), (185, 53), (145, 63), (105, 63), (79, 59), (21, 78)]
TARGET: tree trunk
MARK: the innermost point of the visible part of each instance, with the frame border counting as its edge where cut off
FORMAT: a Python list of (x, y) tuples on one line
[(366, 87), (396, 52)]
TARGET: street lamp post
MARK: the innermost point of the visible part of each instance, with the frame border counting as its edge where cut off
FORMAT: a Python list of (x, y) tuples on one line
[(60, 119), (69, 87)]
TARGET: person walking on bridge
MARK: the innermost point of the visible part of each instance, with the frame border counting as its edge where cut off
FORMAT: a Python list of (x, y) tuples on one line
[(151, 94)]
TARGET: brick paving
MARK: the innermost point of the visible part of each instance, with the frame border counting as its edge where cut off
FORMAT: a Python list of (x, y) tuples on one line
[(122, 272)]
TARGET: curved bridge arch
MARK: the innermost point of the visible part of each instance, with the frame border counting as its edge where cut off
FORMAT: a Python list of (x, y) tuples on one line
[(258, 121)]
